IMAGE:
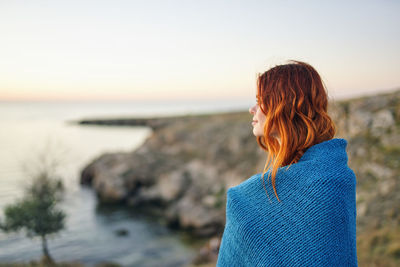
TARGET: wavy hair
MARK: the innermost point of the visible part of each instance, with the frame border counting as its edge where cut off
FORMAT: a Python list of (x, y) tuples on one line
[(295, 102)]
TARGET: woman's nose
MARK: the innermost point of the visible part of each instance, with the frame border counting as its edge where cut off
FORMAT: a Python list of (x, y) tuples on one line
[(251, 109)]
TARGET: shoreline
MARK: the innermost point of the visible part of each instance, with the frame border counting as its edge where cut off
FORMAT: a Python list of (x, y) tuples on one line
[(156, 122), (152, 122)]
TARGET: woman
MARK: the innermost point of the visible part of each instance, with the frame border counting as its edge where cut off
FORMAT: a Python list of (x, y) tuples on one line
[(312, 219)]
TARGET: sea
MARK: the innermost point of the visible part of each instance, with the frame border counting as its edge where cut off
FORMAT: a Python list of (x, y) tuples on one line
[(42, 132)]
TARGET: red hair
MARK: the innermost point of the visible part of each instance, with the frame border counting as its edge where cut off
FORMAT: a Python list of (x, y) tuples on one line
[(294, 100)]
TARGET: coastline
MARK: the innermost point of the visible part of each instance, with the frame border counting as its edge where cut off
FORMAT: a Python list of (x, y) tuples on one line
[(183, 170)]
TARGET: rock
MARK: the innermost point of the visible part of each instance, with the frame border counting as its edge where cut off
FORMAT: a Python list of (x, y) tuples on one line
[(208, 253), (122, 232), (171, 186), (379, 171), (386, 186), (392, 138), (209, 201), (359, 121), (203, 221), (110, 187), (382, 121), (361, 209)]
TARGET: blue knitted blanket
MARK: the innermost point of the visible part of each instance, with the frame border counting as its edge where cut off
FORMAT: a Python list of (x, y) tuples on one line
[(313, 225)]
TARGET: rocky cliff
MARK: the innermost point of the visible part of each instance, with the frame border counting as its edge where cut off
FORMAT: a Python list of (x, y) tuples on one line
[(184, 168)]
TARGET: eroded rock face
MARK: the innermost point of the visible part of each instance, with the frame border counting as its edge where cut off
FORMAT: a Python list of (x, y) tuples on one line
[(185, 167), (105, 175), (372, 127)]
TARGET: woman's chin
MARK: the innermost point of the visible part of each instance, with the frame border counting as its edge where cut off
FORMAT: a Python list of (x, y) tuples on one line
[(257, 133)]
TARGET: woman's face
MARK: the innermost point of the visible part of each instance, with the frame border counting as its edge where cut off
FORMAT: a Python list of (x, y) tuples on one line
[(258, 120)]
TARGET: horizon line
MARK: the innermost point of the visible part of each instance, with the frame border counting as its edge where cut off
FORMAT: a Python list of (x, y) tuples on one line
[(341, 96)]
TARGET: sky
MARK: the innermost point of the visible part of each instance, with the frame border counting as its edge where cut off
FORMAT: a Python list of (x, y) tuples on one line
[(169, 50)]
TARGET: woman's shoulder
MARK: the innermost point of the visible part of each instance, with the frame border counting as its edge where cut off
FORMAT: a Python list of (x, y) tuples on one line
[(248, 188), (250, 182), (299, 178)]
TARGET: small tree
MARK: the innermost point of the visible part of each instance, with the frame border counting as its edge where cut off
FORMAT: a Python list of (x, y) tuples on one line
[(37, 212)]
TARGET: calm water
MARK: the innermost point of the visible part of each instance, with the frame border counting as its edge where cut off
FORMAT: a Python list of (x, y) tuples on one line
[(28, 129)]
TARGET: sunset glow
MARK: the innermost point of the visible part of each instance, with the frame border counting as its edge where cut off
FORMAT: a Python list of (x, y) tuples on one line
[(191, 49)]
